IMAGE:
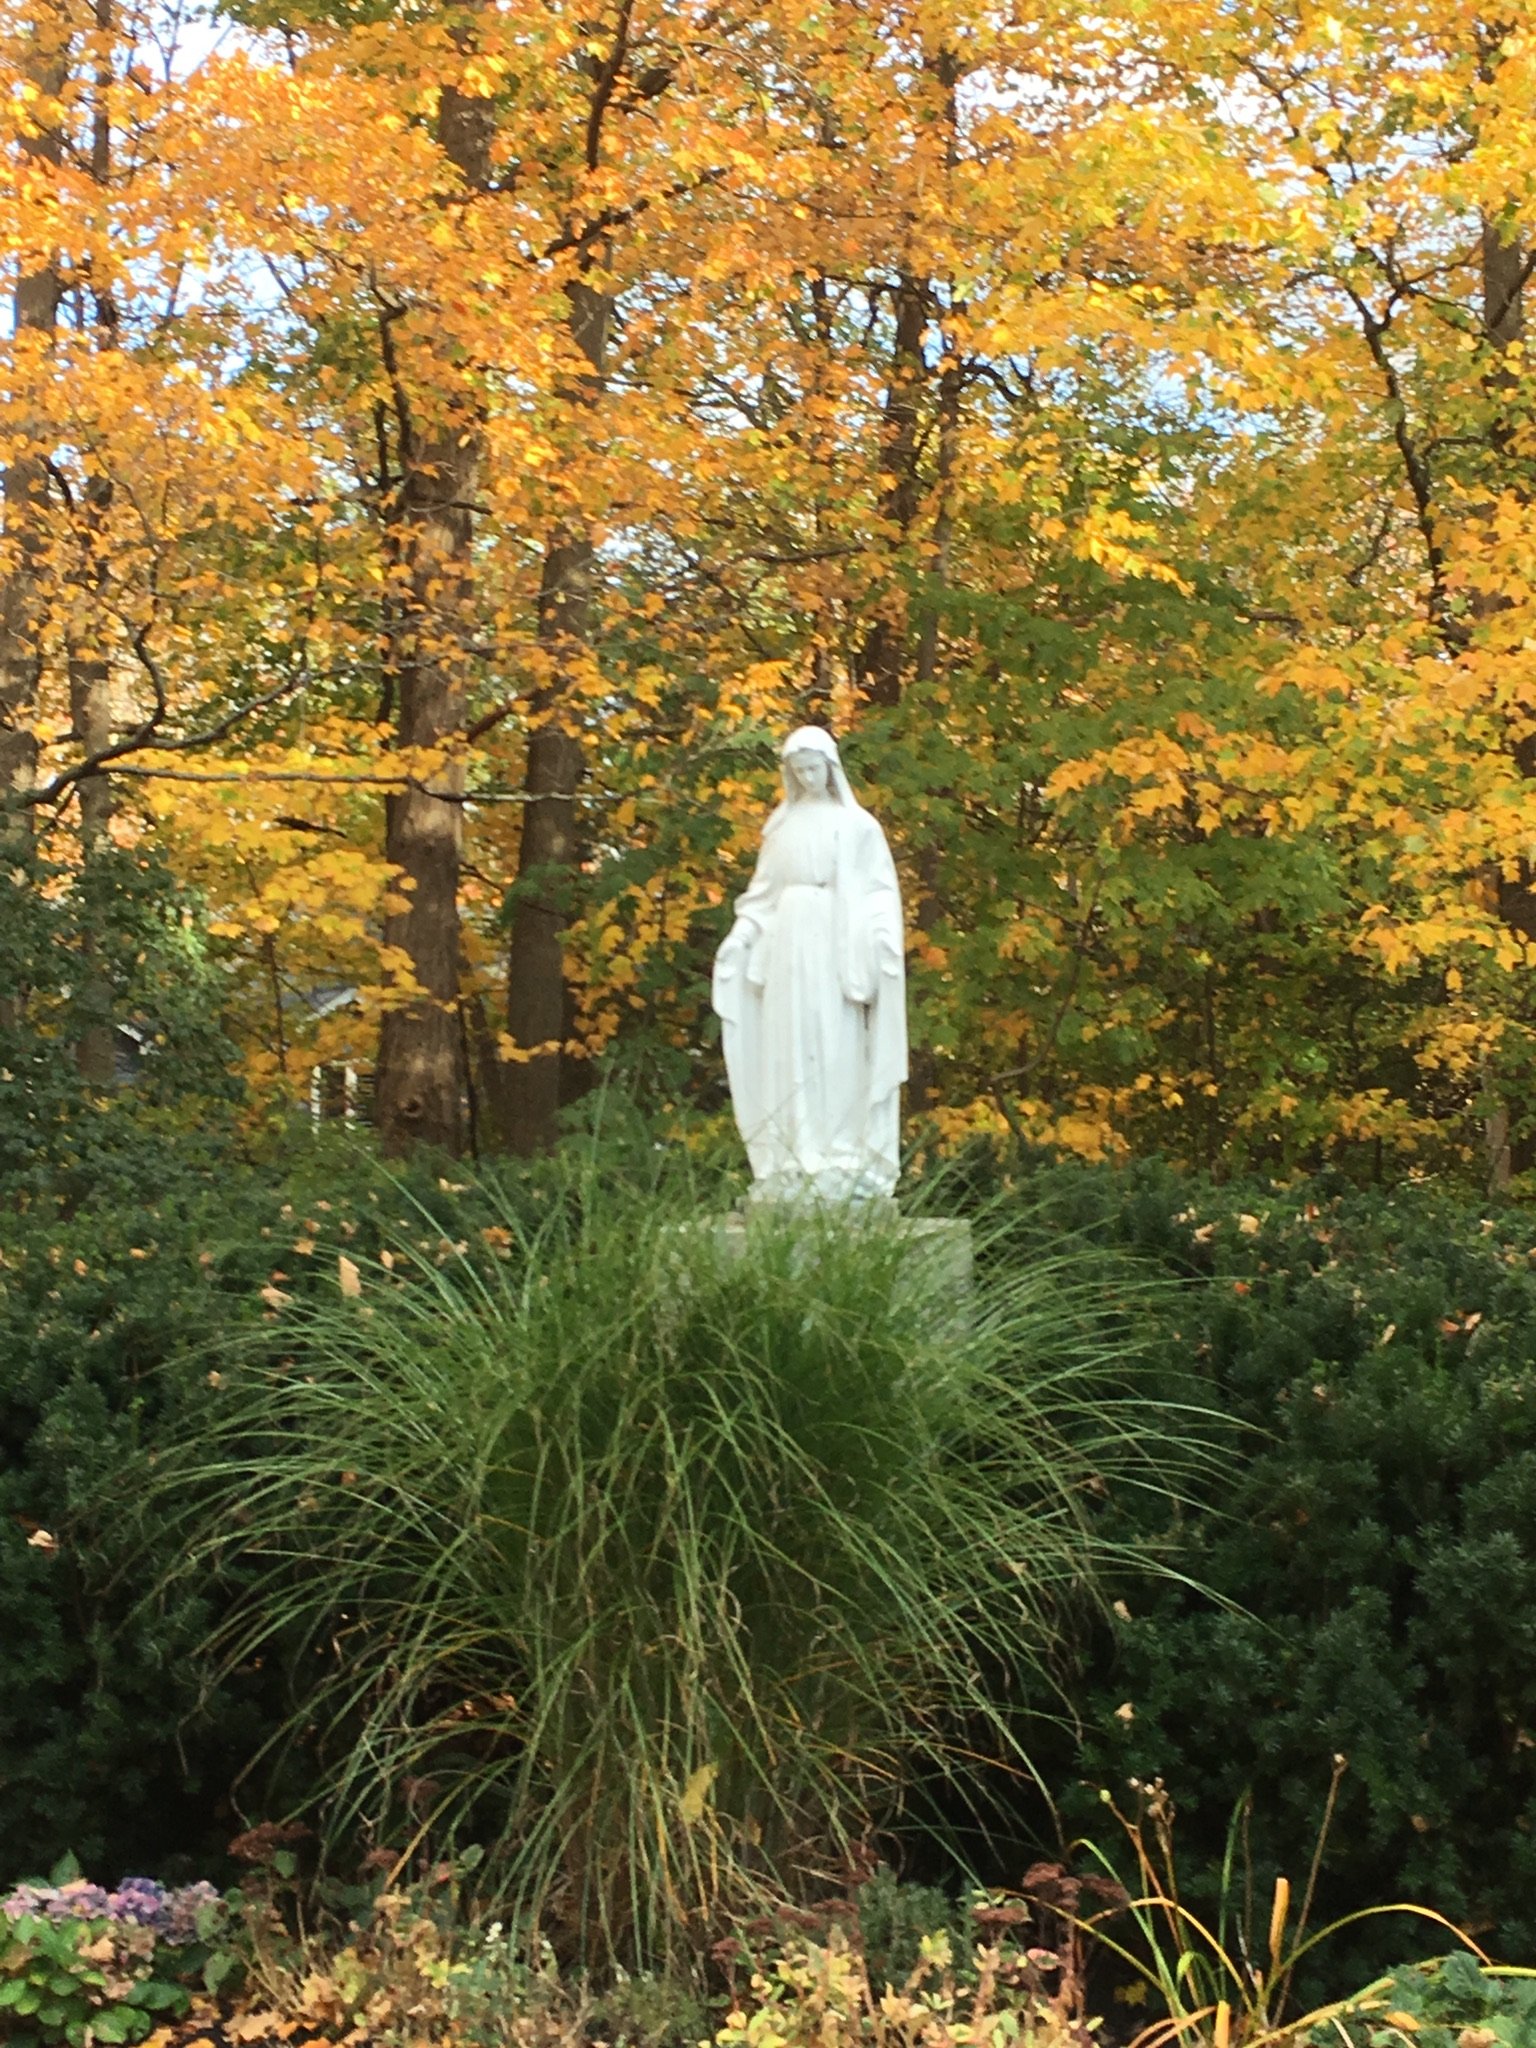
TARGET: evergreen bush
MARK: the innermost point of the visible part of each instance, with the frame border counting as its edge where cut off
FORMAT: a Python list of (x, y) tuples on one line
[(1371, 1550), (120, 1213), (102, 1307), (117, 1743)]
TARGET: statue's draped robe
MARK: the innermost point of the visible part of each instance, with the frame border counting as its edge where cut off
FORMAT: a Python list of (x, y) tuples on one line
[(813, 1005)]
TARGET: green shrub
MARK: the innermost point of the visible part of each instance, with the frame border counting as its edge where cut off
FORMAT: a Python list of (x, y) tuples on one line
[(1374, 1544), (120, 1214), (101, 1311), (657, 1568), (134, 1231), (894, 1919), (115, 1742)]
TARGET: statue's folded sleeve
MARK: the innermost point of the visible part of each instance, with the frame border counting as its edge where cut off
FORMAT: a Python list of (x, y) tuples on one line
[(874, 946)]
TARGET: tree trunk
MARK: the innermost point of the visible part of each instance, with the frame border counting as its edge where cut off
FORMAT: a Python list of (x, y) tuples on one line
[(34, 312), (881, 657), (881, 660), (534, 1081), (419, 1084), (937, 579), (1509, 1137), (90, 669), (923, 1079), (419, 1088), (928, 863)]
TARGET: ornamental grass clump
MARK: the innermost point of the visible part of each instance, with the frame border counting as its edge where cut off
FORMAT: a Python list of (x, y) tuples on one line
[(660, 1561)]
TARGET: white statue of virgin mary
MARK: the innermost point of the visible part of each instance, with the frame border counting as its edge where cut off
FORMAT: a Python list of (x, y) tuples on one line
[(810, 990)]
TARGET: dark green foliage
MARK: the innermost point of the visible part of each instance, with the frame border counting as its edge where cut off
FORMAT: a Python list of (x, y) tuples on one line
[(1375, 1537), (893, 1918), (116, 1211), (1371, 1540), (111, 946), (114, 1307), (102, 1308)]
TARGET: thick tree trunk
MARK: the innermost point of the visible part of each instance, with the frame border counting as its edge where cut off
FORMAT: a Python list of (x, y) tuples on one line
[(420, 1082), (419, 1085), (419, 1088), (535, 1081), (34, 312), (23, 516)]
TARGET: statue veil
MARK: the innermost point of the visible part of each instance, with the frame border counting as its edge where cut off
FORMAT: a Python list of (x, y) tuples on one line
[(811, 739)]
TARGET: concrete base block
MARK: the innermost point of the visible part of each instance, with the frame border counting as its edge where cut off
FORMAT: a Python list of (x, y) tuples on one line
[(938, 1249)]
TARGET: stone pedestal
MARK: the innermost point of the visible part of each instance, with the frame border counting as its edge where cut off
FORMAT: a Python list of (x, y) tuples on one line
[(937, 1249)]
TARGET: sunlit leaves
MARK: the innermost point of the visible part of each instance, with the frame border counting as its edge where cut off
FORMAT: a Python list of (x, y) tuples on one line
[(1134, 375)]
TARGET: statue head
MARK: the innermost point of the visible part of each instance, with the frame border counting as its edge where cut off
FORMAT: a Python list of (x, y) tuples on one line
[(812, 767)]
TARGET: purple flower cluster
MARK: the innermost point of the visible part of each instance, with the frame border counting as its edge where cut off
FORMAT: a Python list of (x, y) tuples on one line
[(137, 1902)]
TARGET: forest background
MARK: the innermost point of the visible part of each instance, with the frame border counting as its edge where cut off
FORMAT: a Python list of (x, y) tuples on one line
[(446, 447)]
